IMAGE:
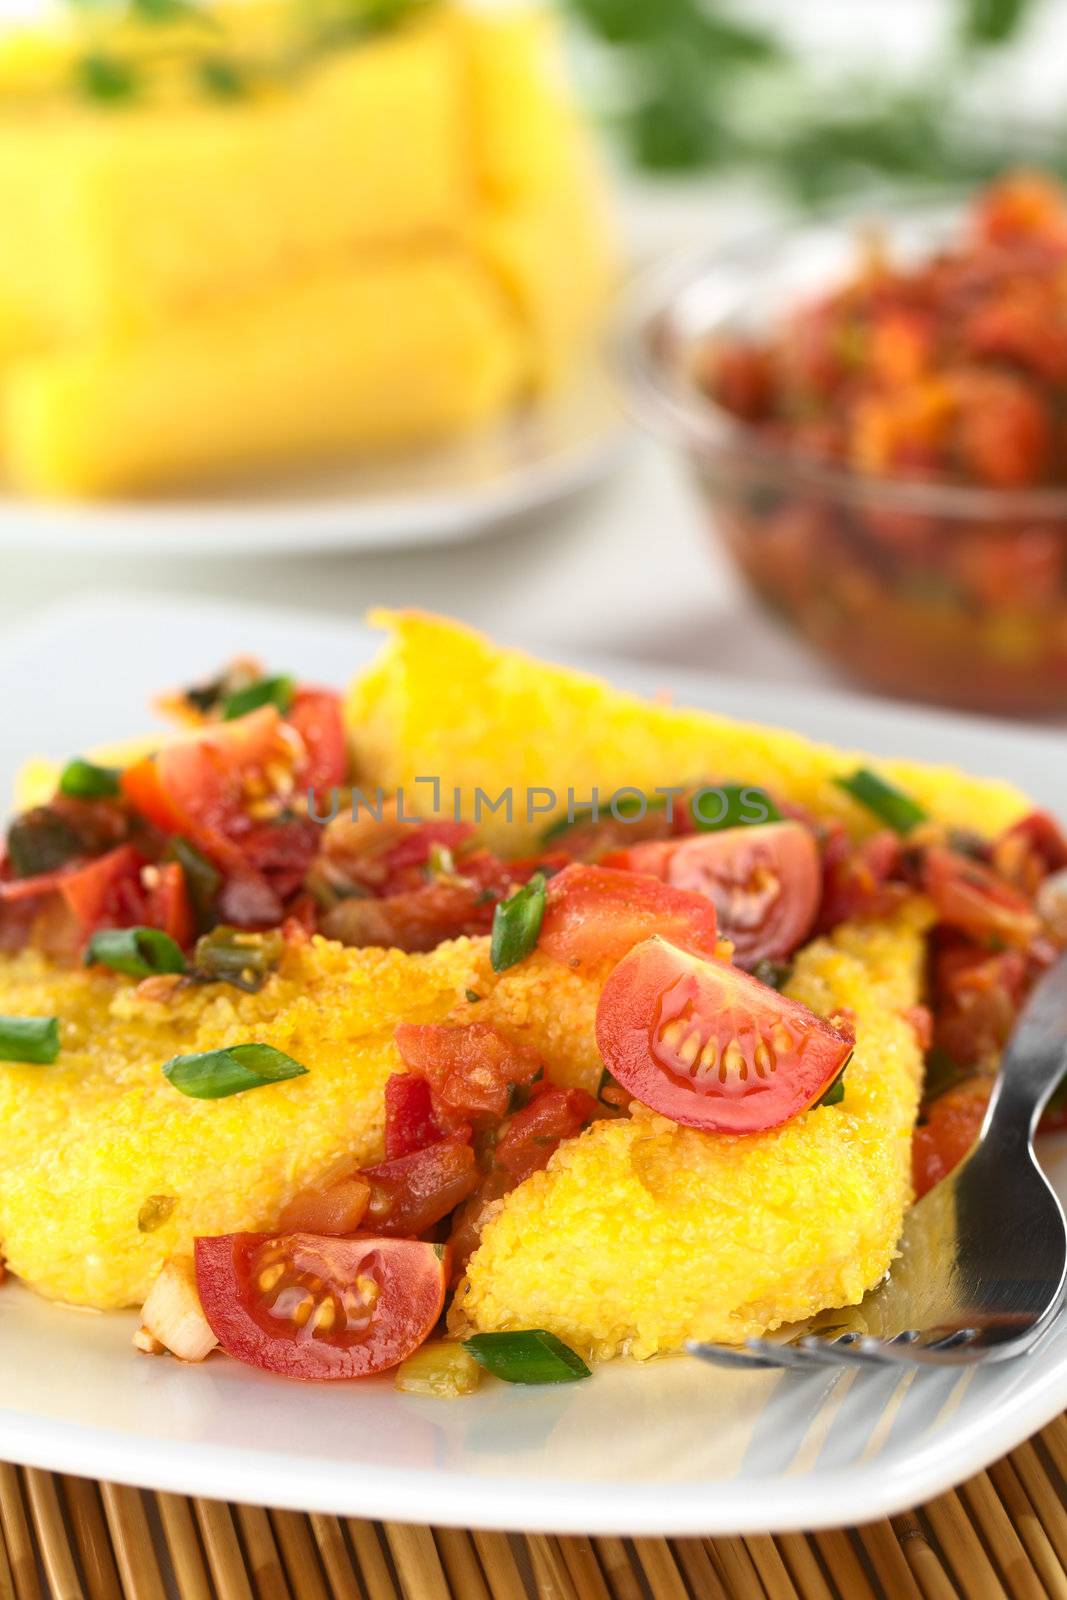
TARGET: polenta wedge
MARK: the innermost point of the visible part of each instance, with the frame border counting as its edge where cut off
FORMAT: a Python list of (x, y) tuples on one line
[(326, 1062)]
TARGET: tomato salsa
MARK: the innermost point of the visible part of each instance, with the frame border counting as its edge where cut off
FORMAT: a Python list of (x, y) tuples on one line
[(203, 861), (946, 372)]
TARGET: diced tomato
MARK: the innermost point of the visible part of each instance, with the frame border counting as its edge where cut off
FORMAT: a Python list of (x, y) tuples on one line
[(1003, 429), (415, 847), (707, 1045), (530, 1137), (317, 717), (977, 995), (168, 904), (971, 898), (857, 880), (595, 914), (335, 1210), (409, 1120), (1029, 851), (320, 1308), (413, 1192), (418, 920), (469, 1068), (953, 1122), (763, 881)]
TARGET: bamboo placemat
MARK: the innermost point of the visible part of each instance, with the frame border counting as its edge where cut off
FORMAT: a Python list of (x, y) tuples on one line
[(1000, 1536)]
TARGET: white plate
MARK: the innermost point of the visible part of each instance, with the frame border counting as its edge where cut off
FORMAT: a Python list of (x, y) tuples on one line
[(441, 495), (670, 1448)]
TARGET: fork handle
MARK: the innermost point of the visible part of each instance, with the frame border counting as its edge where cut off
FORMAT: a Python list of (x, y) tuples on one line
[(1033, 1063)]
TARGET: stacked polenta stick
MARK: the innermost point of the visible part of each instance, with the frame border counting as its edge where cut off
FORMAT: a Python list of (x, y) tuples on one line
[(391, 245)]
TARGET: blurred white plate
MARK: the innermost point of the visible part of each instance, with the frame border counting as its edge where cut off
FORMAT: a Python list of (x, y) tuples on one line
[(440, 495), (670, 1448)]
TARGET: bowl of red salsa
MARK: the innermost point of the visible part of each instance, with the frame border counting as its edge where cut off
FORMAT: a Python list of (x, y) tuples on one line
[(876, 414)]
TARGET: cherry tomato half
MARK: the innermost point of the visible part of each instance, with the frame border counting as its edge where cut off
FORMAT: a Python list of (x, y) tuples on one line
[(764, 882), (707, 1045), (597, 914), (316, 1308)]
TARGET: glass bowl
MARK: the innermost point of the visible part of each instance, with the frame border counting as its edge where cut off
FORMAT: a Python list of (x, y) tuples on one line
[(931, 591)]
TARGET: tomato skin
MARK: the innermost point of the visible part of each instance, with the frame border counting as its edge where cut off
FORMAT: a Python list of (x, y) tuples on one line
[(595, 914), (470, 1068), (410, 1124), (969, 897), (412, 1193), (952, 1125), (169, 907), (317, 717), (765, 1058), (764, 882), (335, 1211), (407, 1282), (531, 1136)]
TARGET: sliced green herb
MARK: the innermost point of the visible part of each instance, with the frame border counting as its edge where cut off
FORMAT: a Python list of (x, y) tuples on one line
[(775, 974), (532, 1356), (105, 78), (84, 780), (264, 692), (41, 841), (473, 996), (517, 924), (232, 955), (519, 1093), (202, 879), (889, 804), (732, 805), (836, 1092), (157, 1210), (215, 1074), (138, 952), (32, 1039)]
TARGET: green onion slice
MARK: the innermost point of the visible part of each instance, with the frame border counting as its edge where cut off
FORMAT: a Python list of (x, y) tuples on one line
[(41, 841), (264, 692), (233, 955), (215, 1074), (836, 1092), (85, 780), (889, 804), (33, 1039), (517, 924), (533, 1356), (775, 974), (716, 806), (138, 952), (202, 879)]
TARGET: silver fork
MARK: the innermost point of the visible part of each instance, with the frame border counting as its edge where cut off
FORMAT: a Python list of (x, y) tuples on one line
[(983, 1256)]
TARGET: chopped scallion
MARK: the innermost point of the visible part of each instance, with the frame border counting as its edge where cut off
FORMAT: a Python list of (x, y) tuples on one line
[(137, 952), (233, 955), (517, 924), (31, 1039), (85, 780), (731, 805), (202, 879), (889, 804), (41, 841), (215, 1074), (532, 1356), (264, 692)]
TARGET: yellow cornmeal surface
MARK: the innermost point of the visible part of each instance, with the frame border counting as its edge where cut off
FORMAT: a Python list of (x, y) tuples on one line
[(641, 1234), (444, 700)]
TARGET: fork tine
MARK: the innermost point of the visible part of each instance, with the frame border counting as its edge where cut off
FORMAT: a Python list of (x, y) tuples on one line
[(729, 1355)]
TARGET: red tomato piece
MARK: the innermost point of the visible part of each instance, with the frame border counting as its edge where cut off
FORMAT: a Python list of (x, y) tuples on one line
[(414, 1192), (336, 1210), (530, 1137), (971, 898), (168, 904), (707, 1045), (409, 1120), (953, 1122), (595, 914), (858, 880), (418, 919), (317, 1308), (765, 882), (470, 1068), (316, 715)]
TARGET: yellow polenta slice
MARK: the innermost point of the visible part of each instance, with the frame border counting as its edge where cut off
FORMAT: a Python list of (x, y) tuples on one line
[(641, 1234), (91, 1140), (443, 701), (395, 348)]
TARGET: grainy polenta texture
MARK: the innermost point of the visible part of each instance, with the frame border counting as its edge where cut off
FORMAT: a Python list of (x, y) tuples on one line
[(444, 700), (642, 1234), (89, 1140)]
